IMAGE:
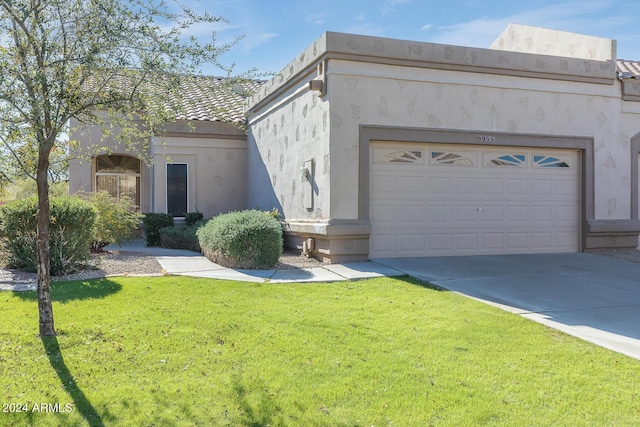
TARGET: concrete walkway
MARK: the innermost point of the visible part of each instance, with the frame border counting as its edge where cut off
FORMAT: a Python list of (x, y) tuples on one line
[(187, 263)]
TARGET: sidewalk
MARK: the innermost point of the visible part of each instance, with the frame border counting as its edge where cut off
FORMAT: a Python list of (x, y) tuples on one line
[(11, 280), (186, 263), (178, 262)]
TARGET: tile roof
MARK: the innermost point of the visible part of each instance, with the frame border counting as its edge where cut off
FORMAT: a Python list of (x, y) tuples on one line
[(209, 98), (191, 97), (628, 69)]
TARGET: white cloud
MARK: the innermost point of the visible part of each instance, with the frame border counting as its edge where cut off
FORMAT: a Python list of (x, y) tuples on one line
[(250, 42), (366, 29), (390, 6), (316, 18), (204, 30), (589, 17), (477, 33), (426, 27)]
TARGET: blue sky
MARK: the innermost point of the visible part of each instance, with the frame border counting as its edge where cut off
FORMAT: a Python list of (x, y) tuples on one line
[(276, 31)]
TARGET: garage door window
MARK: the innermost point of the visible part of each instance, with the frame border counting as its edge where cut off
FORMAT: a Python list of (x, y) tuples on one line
[(549, 162), (454, 159), (399, 157), (506, 160)]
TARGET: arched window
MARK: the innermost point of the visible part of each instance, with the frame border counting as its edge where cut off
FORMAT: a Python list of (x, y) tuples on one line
[(119, 175)]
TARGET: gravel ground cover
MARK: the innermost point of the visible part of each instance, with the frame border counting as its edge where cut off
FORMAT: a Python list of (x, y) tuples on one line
[(631, 255), (124, 263)]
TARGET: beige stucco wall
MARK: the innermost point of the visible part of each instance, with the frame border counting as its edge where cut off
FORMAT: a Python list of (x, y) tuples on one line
[(401, 96), (372, 81), (292, 130), (215, 153), (91, 142), (543, 41), (376, 81), (216, 172)]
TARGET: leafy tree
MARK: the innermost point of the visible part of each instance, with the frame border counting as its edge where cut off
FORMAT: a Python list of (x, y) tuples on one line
[(15, 183), (91, 60)]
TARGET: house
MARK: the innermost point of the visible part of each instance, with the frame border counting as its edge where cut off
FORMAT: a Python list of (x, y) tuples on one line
[(197, 163), (374, 147)]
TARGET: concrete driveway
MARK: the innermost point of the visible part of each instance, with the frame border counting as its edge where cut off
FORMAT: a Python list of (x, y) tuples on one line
[(589, 296)]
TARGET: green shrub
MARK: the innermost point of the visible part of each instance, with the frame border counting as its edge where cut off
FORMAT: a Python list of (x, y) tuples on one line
[(192, 218), (117, 222), (71, 230), (153, 222), (246, 239), (180, 237)]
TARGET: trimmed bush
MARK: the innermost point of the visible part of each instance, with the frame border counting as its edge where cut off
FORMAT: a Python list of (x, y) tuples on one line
[(71, 230), (192, 218), (153, 222), (117, 221), (180, 237), (247, 239)]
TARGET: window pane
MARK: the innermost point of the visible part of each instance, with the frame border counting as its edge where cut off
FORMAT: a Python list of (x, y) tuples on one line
[(177, 189), (108, 184), (129, 187), (117, 164)]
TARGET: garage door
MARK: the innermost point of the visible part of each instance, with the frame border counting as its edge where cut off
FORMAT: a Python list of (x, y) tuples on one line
[(440, 200)]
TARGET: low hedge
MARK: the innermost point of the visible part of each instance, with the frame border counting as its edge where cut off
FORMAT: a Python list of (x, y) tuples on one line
[(180, 237), (193, 218), (153, 222), (247, 239), (70, 233)]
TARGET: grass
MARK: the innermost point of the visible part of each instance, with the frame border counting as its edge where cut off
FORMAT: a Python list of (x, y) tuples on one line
[(177, 351)]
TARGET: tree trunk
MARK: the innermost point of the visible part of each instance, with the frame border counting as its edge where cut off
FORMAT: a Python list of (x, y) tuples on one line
[(45, 309)]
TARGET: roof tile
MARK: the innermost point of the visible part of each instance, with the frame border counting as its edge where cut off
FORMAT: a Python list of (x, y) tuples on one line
[(209, 98), (628, 69)]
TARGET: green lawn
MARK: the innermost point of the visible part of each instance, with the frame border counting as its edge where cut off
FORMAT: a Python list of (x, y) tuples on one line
[(383, 352)]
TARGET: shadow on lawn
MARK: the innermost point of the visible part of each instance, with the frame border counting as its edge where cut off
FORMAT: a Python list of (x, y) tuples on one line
[(254, 414), (80, 401), (416, 282), (78, 290)]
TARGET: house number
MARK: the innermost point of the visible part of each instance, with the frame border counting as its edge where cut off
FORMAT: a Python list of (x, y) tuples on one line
[(483, 138)]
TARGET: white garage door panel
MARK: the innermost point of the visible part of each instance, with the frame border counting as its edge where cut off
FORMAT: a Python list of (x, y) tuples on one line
[(411, 184), (517, 240), (383, 184), (411, 214), (411, 242), (439, 185), (383, 243), (434, 200)]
